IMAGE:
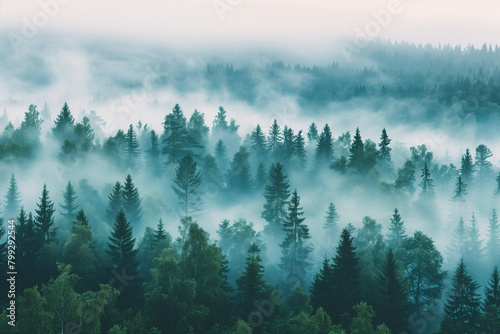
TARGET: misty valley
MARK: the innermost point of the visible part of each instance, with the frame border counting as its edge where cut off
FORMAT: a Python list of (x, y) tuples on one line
[(324, 199)]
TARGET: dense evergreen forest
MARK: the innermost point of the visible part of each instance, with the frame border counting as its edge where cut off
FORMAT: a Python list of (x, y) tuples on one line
[(192, 226)]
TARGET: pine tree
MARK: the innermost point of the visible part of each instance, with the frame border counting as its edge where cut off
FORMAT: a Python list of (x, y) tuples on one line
[(426, 184), (69, 206), (493, 244), (131, 201), (459, 241), (324, 149), (312, 133), (397, 231), (492, 291), (115, 202), (484, 168), (123, 256), (84, 136), (300, 151), (251, 284), (331, 219), (464, 303), (357, 152), (197, 127), (44, 215), (393, 301), (221, 155), (405, 179), (322, 288), (275, 142), (211, 173), (239, 174), (12, 199), (160, 233), (81, 219), (295, 248), (219, 125), (467, 167), (474, 253), (288, 148), (187, 184), (153, 155), (64, 123), (346, 277), (384, 154), (460, 191), (260, 176), (259, 144), (132, 150), (276, 194)]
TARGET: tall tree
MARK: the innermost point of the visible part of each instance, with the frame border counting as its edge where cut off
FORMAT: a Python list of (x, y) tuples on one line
[(427, 182), (69, 207), (131, 201), (384, 155), (493, 244), (397, 231), (132, 150), (153, 155), (467, 167), (463, 306), (187, 184), (221, 155), (44, 215), (12, 199), (393, 301), (275, 142), (197, 127), (324, 149), (405, 179), (259, 144), (63, 125), (312, 133), (321, 288), (251, 284), (460, 191), (331, 219), (239, 174), (491, 304), (115, 202), (484, 168), (295, 247), (160, 233), (357, 152), (276, 194), (84, 136), (260, 176), (459, 241), (123, 256), (288, 148), (300, 151)]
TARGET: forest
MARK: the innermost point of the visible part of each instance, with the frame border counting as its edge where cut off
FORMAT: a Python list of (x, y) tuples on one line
[(191, 225)]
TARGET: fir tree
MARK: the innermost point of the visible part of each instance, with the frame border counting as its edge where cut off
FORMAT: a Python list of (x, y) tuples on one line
[(239, 175), (221, 155), (12, 199), (160, 233), (276, 194), (393, 302), (260, 176), (211, 173), (459, 241), (322, 288), (153, 155), (131, 201), (493, 244), (300, 151), (115, 202), (464, 302), (312, 133), (259, 143), (275, 142), (467, 167), (331, 219), (357, 152), (474, 252), (426, 184), (44, 215), (460, 191), (84, 135), (384, 155), (132, 150), (187, 184), (397, 231), (81, 219), (251, 284), (324, 149), (197, 127), (288, 148), (295, 248), (219, 125), (492, 290), (69, 206), (63, 125)]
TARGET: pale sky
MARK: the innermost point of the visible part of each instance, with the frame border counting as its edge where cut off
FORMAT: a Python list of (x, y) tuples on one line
[(307, 27)]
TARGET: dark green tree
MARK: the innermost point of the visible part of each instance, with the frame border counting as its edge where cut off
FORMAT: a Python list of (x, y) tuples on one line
[(357, 153), (275, 142), (239, 174), (81, 219), (427, 182), (276, 194), (131, 201), (260, 176), (300, 151), (84, 136), (12, 199), (251, 285), (467, 167), (115, 202), (397, 231), (324, 149), (187, 184), (295, 247), (69, 207), (69, 152), (131, 148), (474, 256), (153, 155), (331, 219), (491, 304), (221, 155), (160, 233), (384, 155), (322, 288), (459, 241), (259, 148), (405, 180), (312, 133), (463, 305), (484, 168), (45, 215), (64, 124), (460, 191), (197, 128)]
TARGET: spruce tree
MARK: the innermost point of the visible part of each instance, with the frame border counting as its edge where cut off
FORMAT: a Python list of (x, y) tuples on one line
[(276, 194), (44, 215), (324, 148), (300, 151), (187, 184), (259, 144), (384, 155), (81, 219), (288, 148), (345, 277), (69, 206), (84, 136), (426, 184), (131, 201), (397, 231), (463, 306), (492, 290), (153, 155), (460, 191), (63, 125), (393, 301), (405, 179), (210, 172), (331, 219), (474, 252), (295, 247), (357, 153), (484, 168), (322, 288), (459, 241), (131, 148), (12, 199), (221, 155), (160, 233), (239, 174), (260, 176), (467, 167), (312, 133), (123, 256), (251, 284), (493, 244), (275, 142), (115, 202), (197, 127)]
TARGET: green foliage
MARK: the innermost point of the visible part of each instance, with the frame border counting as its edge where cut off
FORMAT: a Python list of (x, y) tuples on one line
[(70, 206), (187, 184), (324, 149), (251, 285), (44, 215), (131, 201), (276, 194), (12, 199), (397, 231), (239, 179)]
